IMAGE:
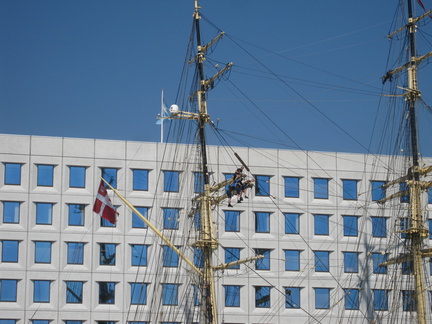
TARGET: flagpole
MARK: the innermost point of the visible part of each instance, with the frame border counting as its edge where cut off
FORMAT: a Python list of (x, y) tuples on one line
[(162, 115)]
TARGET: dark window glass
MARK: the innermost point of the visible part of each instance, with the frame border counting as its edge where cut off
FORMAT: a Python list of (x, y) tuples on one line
[(44, 213), (409, 300), (322, 261), (292, 189), (41, 292), (405, 225), (137, 222), (262, 222), (10, 251), (322, 298), (106, 292), (321, 188), (292, 260), (76, 215), (12, 174), (349, 189), (171, 218), (74, 292), (11, 212), (379, 258), (170, 294), (77, 176), (170, 257), (231, 255), (380, 297), (198, 257), (379, 226), (110, 176), (75, 252), (263, 263), (378, 192), (292, 297), (139, 254), (198, 182), (232, 221), (232, 296), (45, 175), (42, 252), (321, 224), (8, 290), (107, 254), (262, 296), (262, 185), (140, 180), (403, 186), (350, 262), (292, 223), (350, 225), (171, 181), (138, 293), (352, 299)]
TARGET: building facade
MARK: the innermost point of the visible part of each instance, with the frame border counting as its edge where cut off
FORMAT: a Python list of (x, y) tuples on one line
[(313, 215)]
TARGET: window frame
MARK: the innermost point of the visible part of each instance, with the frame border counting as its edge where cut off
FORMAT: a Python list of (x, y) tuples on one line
[(44, 295), (262, 185), (10, 253), (77, 176), (232, 295), (292, 187), (171, 181), (295, 299), (11, 212), (40, 250), (140, 179), (72, 254), (45, 175), (12, 177), (350, 225), (350, 189), (322, 261), (321, 188), (262, 222), (292, 261)]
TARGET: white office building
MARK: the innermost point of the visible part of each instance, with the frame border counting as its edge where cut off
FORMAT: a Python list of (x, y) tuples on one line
[(313, 215)]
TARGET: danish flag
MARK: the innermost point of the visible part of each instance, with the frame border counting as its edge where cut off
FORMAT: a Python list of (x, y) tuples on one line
[(103, 205)]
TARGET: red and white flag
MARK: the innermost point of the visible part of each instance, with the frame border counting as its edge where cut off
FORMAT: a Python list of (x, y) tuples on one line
[(103, 205)]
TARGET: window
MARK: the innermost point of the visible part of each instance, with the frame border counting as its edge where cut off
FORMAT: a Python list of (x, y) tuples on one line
[(76, 215), (110, 176), (106, 292), (171, 218), (137, 222), (105, 222), (107, 254), (232, 221), (197, 221), (11, 212), (41, 291), (429, 196), (140, 180), (40, 321), (322, 261), (196, 295), (45, 175), (263, 263), (379, 226), (74, 292), (106, 322), (9, 251), (77, 176), (377, 259), (322, 298), (321, 188), (198, 182), (430, 228), (44, 213), (171, 181), (8, 290), (139, 254), (198, 257), (349, 189), (292, 223), (350, 262), (42, 252), (378, 192), (231, 255), (405, 226), (321, 224), (8, 321), (262, 296), (73, 322), (292, 189), (262, 222), (408, 300), (292, 260), (352, 299), (262, 185), (170, 257), (380, 299), (232, 296), (292, 297), (407, 267), (350, 225), (12, 174), (75, 252), (170, 294), (138, 293), (402, 187)]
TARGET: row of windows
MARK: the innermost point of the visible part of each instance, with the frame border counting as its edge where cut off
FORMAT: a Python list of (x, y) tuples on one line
[(77, 176), (170, 295), (76, 217), (140, 255)]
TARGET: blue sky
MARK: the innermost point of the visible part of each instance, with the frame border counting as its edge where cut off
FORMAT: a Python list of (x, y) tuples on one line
[(306, 75)]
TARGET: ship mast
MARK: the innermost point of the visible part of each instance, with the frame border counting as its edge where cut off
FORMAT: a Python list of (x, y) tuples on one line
[(415, 230)]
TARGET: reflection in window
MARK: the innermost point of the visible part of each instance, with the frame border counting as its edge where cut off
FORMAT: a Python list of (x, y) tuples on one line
[(41, 291), (8, 290), (77, 176), (76, 215), (292, 260), (321, 224), (232, 296), (106, 292), (321, 188), (74, 292), (232, 221), (231, 255), (322, 261), (262, 296), (107, 254), (10, 251), (352, 299), (170, 257), (11, 212), (350, 225), (171, 218), (262, 185), (263, 263), (45, 175), (322, 298), (292, 189), (138, 293), (349, 189), (75, 252), (262, 222), (12, 174), (42, 252), (378, 192), (137, 222), (171, 181), (140, 180), (170, 294), (139, 254), (292, 297), (44, 213), (110, 176)]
